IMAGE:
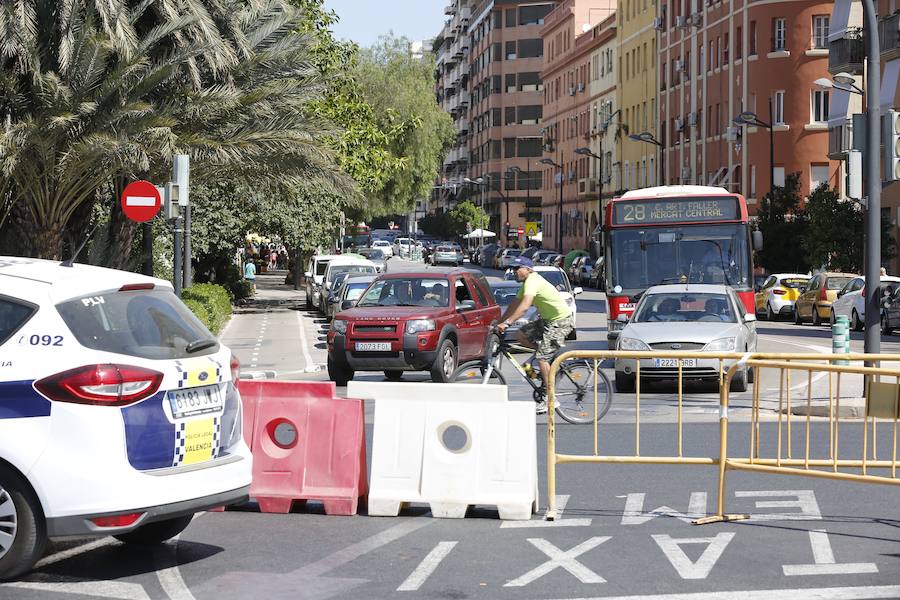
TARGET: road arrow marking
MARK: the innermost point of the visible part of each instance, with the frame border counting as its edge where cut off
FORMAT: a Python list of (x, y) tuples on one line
[(560, 559), (426, 567), (825, 564), (687, 568)]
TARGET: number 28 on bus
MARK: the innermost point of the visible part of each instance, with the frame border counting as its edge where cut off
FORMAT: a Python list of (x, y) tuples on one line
[(675, 234)]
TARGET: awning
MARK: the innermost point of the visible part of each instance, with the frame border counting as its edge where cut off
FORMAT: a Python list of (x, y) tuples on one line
[(889, 83), (838, 107), (840, 18)]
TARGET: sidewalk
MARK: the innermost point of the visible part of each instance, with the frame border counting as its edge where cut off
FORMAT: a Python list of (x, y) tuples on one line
[(270, 334)]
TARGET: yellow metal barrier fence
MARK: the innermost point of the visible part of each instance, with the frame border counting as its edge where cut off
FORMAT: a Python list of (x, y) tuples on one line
[(729, 363)]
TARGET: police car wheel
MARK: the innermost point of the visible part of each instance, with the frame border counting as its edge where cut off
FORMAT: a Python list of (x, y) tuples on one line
[(23, 533), (156, 532)]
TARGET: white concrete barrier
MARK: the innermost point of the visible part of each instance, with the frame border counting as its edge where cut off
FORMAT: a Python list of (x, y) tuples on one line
[(451, 446)]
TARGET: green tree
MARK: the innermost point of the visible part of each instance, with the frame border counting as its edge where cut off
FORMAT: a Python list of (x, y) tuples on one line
[(465, 216), (783, 223)]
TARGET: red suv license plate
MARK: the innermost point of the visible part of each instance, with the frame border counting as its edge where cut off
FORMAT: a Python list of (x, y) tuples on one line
[(373, 346)]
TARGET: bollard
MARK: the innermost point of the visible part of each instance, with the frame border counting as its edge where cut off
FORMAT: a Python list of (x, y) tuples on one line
[(840, 339)]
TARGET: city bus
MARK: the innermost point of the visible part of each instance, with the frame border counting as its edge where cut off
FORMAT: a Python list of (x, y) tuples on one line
[(675, 234)]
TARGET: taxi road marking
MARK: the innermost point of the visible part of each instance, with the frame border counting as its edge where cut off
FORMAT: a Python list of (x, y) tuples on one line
[(687, 568), (836, 593), (825, 564), (561, 559), (634, 509)]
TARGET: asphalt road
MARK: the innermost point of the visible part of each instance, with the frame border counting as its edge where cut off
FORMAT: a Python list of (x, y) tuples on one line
[(624, 532)]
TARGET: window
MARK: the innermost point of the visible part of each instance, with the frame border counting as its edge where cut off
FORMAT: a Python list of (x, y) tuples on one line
[(510, 115), (779, 31), (511, 50), (531, 114), (531, 48), (738, 44), (510, 17), (13, 315), (818, 175), (529, 147), (753, 181), (819, 112), (495, 84), (778, 118), (779, 176), (495, 149), (509, 147), (498, 19), (725, 49), (751, 42), (534, 15), (821, 24), (495, 52)]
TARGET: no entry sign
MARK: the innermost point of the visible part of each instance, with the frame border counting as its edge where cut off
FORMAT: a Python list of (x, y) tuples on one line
[(140, 201)]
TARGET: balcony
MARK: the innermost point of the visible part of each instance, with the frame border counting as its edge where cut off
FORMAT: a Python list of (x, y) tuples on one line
[(450, 9), (848, 54), (840, 140), (889, 36)]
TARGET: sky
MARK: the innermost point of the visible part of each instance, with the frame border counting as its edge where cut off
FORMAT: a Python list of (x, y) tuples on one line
[(364, 20)]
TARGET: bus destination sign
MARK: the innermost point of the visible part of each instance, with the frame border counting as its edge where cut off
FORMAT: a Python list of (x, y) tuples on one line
[(680, 210)]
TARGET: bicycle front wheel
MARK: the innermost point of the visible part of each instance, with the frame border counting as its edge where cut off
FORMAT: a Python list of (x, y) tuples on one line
[(574, 392), (474, 373)]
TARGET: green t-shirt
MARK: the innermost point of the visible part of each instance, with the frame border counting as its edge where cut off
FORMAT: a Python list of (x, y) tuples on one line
[(547, 299)]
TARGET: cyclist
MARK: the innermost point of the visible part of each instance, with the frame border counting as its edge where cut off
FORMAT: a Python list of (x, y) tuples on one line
[(547, 334)]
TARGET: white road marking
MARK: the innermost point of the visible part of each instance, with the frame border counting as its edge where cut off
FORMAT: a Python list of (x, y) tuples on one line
[(354, 551), (687, 568), (634, 507), (307, 358), (806, 502), (426, 567), (815, 378), (561, 501), (834, 593), (825, 564), (170, 578), (71, 552), (97, 589), (559, 559)]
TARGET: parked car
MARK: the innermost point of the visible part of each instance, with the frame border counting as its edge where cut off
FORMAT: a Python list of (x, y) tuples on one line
[(402, 247), (598, 274), (541, 256), (419, 321), (506, 257), (580, 272), (486, 253), (351, 287), (504, 293), (890, 312), (335, 268), (315, 275), (690, 317), (530, 252), (119, 411), (814, 302), (447, 255), (778, 293), (376, 257), (851, 300), (385, 246)]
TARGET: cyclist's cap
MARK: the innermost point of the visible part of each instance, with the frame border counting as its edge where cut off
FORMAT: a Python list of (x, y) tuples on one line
[(521, 261)]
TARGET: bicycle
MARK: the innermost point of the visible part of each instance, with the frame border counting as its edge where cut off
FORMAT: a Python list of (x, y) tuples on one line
[(574, 386)]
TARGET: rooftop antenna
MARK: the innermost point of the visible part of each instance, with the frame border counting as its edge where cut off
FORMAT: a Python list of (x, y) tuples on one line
[(69, 262)]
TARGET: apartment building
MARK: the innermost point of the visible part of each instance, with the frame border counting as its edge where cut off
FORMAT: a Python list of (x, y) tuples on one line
[(637, 93), (722, 59), (577, 36), (506, 109)]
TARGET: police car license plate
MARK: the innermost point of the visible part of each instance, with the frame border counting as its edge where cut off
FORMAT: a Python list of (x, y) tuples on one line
[(196, 401), (673, 362), (373, 346)]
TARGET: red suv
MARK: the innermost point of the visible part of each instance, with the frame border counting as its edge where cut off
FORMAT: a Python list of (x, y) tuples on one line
[(413, 322)]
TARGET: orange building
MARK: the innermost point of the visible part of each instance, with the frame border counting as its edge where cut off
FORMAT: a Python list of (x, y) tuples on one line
[(572, 33)]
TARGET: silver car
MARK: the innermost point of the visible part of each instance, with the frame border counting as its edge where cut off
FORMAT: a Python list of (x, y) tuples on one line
[(694, 317), (447, 255)]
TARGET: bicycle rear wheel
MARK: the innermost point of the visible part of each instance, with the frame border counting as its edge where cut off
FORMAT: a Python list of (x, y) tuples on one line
[(473, 373), (574, 392)]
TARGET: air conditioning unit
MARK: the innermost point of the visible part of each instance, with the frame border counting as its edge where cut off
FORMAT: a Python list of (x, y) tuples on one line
[(697, 19), (581, 87), (685, 173), (659, 24), (732, 134), (680, 21), (679, 124), (572, 91), (607, 178), (679, 65), (692, 119)]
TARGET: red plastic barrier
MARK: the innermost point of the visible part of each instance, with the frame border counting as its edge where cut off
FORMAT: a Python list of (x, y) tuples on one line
[(307, 445)]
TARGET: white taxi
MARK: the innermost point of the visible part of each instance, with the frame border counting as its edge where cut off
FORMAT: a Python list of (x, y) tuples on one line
[(119, 413)]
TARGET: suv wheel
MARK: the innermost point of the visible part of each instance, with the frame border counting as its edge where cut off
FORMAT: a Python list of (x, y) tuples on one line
[(339, 374), (23, 533), (445, 364), (156, 532)]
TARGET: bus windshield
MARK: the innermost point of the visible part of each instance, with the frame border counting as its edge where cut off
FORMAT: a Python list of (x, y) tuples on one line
[(649, 256)]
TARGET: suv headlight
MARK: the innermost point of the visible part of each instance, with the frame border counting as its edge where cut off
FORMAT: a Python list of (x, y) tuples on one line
[(418, 325), (627, 343), (725, 344), (339, 326)]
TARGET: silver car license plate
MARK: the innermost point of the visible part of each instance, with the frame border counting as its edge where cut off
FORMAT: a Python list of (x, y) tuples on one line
[(673, 362), (373, 346)]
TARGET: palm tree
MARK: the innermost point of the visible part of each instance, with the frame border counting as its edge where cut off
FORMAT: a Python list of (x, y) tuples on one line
[(95, 93)]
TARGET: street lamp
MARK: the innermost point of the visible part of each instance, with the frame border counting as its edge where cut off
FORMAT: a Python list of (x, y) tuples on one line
[(588, 152), (647, 138), (550, 163), (750, 118), (842, 81)]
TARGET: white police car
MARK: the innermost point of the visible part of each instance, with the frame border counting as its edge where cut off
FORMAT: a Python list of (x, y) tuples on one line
[(118, 410)]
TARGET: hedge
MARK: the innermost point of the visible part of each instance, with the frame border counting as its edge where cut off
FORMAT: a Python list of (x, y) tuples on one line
[(199, 310), (214, 299)]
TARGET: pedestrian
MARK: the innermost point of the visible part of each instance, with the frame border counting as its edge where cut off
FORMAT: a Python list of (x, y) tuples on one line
[(273, 260), (883, 272), (250, 273)]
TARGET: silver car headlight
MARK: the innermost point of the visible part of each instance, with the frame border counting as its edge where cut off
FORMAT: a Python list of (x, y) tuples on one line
[(725, 344), (339, 326), (633, 344), (419, 325)]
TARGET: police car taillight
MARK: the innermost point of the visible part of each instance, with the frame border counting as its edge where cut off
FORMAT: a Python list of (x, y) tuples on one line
[(235, 370), (102, 385), (117, 520)]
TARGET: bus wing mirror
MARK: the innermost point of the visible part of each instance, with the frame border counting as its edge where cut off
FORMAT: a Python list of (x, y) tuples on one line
[(757, 240)]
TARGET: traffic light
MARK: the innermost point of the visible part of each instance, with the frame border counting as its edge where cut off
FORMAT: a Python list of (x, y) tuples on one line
[(890, 137)]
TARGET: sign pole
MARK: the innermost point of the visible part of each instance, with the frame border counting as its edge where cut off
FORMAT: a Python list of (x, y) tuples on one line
[(147, 231), (177, 274), (181, 169)]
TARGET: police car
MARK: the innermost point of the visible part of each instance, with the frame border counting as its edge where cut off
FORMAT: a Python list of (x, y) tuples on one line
[(119, 413)]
